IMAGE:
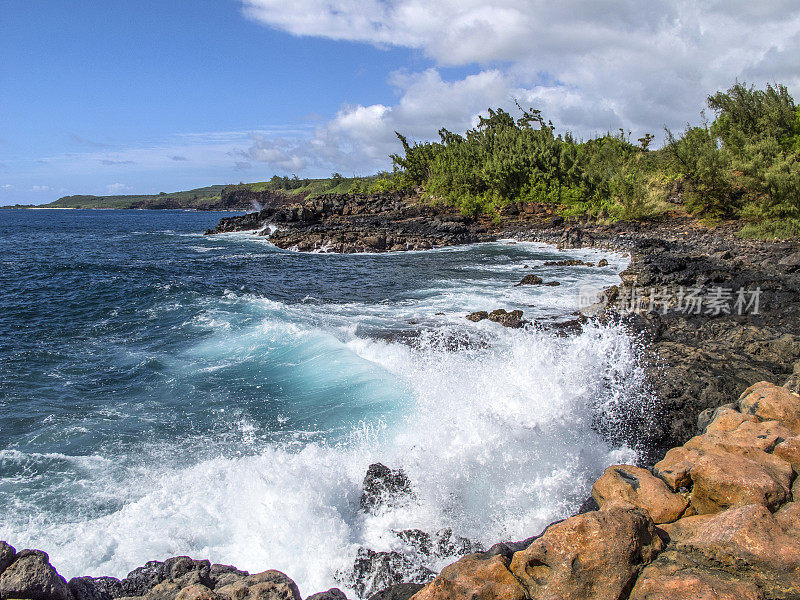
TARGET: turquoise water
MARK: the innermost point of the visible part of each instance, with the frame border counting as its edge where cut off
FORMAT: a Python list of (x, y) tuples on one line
[(164, 392)]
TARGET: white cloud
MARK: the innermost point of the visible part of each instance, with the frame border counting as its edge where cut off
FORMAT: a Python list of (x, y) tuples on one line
[(118, 188), (591, 66), (41, 188)]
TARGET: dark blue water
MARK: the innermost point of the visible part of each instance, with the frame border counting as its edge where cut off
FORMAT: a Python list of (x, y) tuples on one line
[(143, 364)]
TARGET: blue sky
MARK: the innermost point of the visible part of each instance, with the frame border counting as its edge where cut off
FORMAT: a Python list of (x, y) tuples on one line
[(141, 97)]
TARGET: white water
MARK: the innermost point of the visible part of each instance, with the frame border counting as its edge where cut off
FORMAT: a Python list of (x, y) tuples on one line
[(496, 437)]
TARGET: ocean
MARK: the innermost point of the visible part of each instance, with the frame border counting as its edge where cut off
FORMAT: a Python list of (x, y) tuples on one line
[(163, 393)]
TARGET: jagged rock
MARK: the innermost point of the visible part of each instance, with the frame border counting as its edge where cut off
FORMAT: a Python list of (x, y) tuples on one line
[(331, 594), (222, 575), (530, 280), (384, 487), (512, 319), (269, 585), (375, 571), (187, 571), (791, 262), (673, 577), (749, 543), (418, 540), (441, 544), (142, 579), (31, 576), (767, 401), (596, 555), (446, 543), (475, 577), (793, 383), (723, 480), (478, 316), (401, 591), (602, 263), (197, 592), (7, 555), (639, 488), (567, 262), (95, 588)]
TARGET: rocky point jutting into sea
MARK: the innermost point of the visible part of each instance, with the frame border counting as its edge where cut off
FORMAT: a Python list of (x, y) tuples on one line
[(715, 516)]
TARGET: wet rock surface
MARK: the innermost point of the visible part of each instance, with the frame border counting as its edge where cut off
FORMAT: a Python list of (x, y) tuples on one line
[(348, 223), (384, 488)]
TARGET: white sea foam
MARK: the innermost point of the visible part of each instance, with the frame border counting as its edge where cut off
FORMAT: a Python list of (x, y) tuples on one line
[(496, 436)]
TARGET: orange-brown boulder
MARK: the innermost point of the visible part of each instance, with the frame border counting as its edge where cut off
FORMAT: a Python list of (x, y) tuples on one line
[(674, 468), (639, 488), (197, 592), (683, 527), (722, 480), (789, 450), (672, 577), (726, 418), (770, 402), (788, 517), (474, 577), (762, 435), (269, 585), (751, 544), (593, 556)]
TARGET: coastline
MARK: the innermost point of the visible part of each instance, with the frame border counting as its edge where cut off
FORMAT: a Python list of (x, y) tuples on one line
[(675, 343), (695, 361)]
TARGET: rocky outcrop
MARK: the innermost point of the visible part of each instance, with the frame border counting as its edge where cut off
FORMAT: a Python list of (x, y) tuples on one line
[(30, 575), (637, 487), (717, 518), (696, 359), (512, 319), (384, 487), (347, 223)]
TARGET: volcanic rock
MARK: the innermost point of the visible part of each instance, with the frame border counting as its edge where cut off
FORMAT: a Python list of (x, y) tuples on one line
[(512, 319), (639, 488), (31, 576), (530, 280), (269, 585), (384, 487), (596, 555)]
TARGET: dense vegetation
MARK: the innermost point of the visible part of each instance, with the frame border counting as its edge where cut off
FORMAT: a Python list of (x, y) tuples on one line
[(743, 164)]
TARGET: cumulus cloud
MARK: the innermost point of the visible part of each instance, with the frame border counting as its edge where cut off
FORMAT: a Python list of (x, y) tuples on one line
[(41, 188), (590, 66), (118, 188)]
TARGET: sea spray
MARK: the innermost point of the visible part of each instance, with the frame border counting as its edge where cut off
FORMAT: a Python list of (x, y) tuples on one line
[(226, 403)]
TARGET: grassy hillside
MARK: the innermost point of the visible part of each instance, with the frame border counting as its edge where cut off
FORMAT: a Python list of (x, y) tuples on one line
[(189, 199), (211, 197)]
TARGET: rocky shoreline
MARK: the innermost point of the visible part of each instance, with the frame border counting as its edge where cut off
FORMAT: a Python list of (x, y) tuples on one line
[(712, 511), (716, 518), (696, 359)]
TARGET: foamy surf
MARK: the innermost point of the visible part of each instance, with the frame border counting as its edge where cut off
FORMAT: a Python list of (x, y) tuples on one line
[(239, 423)]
